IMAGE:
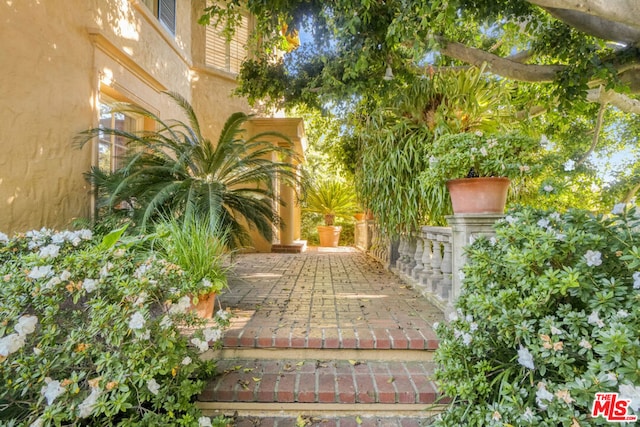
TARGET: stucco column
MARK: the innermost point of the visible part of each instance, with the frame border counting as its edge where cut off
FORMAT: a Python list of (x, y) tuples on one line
[(287, 213), (465, 228)]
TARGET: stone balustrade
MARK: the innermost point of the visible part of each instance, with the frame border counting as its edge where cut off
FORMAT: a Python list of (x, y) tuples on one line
[(430, 259)]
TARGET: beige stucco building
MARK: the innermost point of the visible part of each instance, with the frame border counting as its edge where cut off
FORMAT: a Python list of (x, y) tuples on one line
[(63, 63)]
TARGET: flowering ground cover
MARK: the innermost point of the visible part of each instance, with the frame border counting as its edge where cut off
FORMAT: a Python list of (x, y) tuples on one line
[(92, 332), (548, 317)]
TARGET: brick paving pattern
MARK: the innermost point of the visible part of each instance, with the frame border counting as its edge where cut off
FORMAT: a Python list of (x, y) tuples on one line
[(324, 300)]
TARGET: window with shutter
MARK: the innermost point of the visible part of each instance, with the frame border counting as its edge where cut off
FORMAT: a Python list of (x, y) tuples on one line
[(167, 14), (227, 55)]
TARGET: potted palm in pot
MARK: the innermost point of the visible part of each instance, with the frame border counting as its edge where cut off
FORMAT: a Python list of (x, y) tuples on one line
[(331, 199), (478, 168)]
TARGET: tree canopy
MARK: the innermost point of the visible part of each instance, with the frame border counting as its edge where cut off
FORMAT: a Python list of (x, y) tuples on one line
[(582, 50)]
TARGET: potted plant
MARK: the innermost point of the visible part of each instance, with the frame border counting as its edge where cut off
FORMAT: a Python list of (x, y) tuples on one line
[(477, 168), (330, 198), (198, 247)]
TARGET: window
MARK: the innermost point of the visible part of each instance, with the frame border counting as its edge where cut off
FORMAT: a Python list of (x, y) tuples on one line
[(227, 55), (112, 148), (165, 11)]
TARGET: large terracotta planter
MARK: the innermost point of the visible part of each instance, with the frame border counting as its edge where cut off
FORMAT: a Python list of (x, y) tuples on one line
[(478, 195), (329, 235), (204, 307)]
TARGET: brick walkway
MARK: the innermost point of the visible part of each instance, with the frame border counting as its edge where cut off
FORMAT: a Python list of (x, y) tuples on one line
[(326, 335), (324, 300)]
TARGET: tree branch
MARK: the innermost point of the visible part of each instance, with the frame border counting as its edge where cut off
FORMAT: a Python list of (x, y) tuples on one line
[(624, 11), (504, 67), (596, 134), (619, 100)]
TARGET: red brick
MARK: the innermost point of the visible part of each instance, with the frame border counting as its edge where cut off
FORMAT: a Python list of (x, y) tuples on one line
[(247, 339), (365, 338), (425, 389), (285, 389), (267, 388), (405, 391), (382, 339), (282, 338), (365, 389), (346, 388), (306, 388), (385, 388), (326, 388), (398, 338)]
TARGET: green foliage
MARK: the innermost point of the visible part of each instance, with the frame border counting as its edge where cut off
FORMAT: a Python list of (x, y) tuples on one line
[(93, 333), (199, 249), (330, 199), (548, 316), (174, 171)]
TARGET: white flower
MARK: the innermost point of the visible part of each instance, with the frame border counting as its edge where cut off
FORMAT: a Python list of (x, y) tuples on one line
[(10, 344), (556, 331), (153, 386), (493, 241), (136, 321), (548, 188), (166, 322), (211, 334), (37, 351), (52, 390), (432, 160), (543, 394), (86, 407), (510, 219), (200, 344), (473, 326), (181, 306), (622, 314), (26, 325), (569, 165), (41, 272), (104, 271), (585, 344), (612, 377), (593, 258), (483, 151), (453, 316), (186, 361), (90, 285), (525, 358), (561, 236), (631, 392), (206, 283), (141, 271), (543, 223), (461, 275), (52, 282), (546, 144), (49, 251), (4, 238), (496, 416), (85, 234), (435, 325), (65, 275), (141, 299), (636, 280), (223, 314), (144, 335), (594, 319), (37, 423), (618, 208), (467, 338), (478, 133), (204, 422), (555, 216)]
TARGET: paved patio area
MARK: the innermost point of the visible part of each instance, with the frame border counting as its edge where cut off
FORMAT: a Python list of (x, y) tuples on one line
[(324, 298)]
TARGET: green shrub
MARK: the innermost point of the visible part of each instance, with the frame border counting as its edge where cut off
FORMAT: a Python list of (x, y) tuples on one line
[(93, 333), (549, 316)]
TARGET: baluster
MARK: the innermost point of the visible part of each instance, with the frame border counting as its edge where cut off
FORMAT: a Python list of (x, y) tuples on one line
[(436, 261), (446, 267), (401, 252), (410, 261), (415, 273), (427, 271)]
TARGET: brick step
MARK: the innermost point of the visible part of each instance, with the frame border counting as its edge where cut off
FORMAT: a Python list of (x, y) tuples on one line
[(331, 421), (322, 382), (380, 337)]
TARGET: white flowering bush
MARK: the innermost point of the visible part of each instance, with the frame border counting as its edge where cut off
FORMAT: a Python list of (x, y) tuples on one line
[(97, 333), (549, 316)]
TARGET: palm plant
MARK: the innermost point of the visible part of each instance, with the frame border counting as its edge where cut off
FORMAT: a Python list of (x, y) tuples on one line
[(174, 171), (330, 198)]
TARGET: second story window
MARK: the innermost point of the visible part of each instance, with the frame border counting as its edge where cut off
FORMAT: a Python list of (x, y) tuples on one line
[(165, 11), (227, 55)]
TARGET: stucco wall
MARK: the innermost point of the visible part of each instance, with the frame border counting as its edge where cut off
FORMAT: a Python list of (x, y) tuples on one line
[(56, 57)]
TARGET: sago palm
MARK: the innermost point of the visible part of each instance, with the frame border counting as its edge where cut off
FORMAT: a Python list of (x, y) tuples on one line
[(174, 171)]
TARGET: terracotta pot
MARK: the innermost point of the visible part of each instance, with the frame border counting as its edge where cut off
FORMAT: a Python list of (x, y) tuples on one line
[(359, 216), (204, 307), (478, 195), (329, 235)]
